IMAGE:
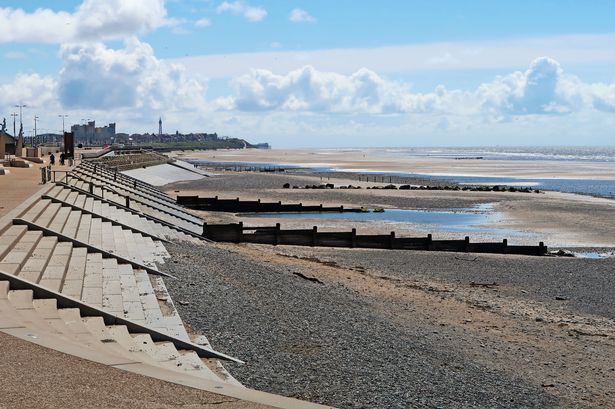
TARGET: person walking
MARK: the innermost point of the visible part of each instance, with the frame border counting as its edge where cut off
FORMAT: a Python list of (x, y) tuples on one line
[(62, 157), (52, 159)]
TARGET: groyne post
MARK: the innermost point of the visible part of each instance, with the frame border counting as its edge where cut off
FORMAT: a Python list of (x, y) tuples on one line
[(504, 245), (353, 238), (392, 240), (314, 235), (466, 246), (429, 242), (277, 234)]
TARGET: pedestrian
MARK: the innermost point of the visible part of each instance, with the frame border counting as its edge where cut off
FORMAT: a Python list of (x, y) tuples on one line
[(62, 157), (52, 159)]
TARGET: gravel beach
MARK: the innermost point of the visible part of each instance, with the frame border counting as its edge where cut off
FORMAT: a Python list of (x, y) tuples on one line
[(329, 344), (360, 328)]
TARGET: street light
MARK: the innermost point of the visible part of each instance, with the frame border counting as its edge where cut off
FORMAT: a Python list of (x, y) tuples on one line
[(20, 106), (14, 115), (35, 140), (63, 116)]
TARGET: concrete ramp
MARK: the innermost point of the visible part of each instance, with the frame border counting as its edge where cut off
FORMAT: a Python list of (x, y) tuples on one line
[(162, 174)]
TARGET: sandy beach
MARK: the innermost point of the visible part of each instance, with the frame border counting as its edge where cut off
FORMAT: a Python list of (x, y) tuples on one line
[(367, 160), (558, 219)]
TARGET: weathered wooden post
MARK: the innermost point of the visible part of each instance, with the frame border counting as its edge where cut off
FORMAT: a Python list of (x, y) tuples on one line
[(127, 202), (204, 234), (276, 239), (91, 188), (43, 176), (49, 174), (115, 175), (466, 245), (429, 241), (314, 235), (353, 238), (504, 245), (541, 248), (135, 184), (392, 240), (239, 232)]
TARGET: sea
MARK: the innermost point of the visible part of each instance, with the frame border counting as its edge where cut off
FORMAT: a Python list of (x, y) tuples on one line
[(595, 187)]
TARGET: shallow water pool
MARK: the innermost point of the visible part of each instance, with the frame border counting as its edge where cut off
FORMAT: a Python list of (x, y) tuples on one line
[(476, 219)]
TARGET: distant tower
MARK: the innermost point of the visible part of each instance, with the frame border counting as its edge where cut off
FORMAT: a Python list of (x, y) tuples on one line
[(160, 126)]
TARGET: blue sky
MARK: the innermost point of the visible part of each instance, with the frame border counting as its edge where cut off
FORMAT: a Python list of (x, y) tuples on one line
[(319, 73)]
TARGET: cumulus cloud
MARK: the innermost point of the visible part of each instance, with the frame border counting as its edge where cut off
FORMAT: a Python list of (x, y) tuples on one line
[(300, 16), (543, 89), (93, 20), (250, 13), (97, 77), (33, 90)]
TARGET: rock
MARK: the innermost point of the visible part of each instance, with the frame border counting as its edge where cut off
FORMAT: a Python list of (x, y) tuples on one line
[(561, 298)]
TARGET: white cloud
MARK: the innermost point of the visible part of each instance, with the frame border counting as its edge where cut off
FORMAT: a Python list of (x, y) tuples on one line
[(101, 78), (500, 55), (250, 13), (33, 90), (93, 20), (301, 16), (543, 89), (203, 22)]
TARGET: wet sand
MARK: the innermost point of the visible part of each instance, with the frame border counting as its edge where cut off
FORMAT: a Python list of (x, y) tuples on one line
[(558, 219), (377, 160)]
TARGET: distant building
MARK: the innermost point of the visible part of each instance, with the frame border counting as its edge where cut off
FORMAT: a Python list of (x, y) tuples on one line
[(91, 134), (160, 127)]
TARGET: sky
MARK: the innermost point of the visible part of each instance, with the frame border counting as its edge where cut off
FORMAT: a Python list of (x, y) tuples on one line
[(318, 73)]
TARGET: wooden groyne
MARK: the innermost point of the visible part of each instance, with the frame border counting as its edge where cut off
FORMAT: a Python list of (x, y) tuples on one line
[(238, 233), (254, 206)]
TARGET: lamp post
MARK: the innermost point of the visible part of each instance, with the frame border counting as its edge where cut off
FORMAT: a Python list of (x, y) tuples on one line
[(20, 106), (14, 115), (35, 140), (63, 116)]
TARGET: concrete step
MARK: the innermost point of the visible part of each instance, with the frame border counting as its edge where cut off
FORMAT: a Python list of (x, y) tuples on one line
[(60, 219), (14, 259), (75, 273), (33, 269), (9, 238), (55, 270), (35, 211), (48, 215), (92, 292)]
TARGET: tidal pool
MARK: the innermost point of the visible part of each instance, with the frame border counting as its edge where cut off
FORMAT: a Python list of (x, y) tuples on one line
[(476, 219)]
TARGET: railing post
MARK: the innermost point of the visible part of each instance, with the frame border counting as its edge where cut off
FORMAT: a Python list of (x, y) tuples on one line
[(43, 176), (49, 173), (314, 235)]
